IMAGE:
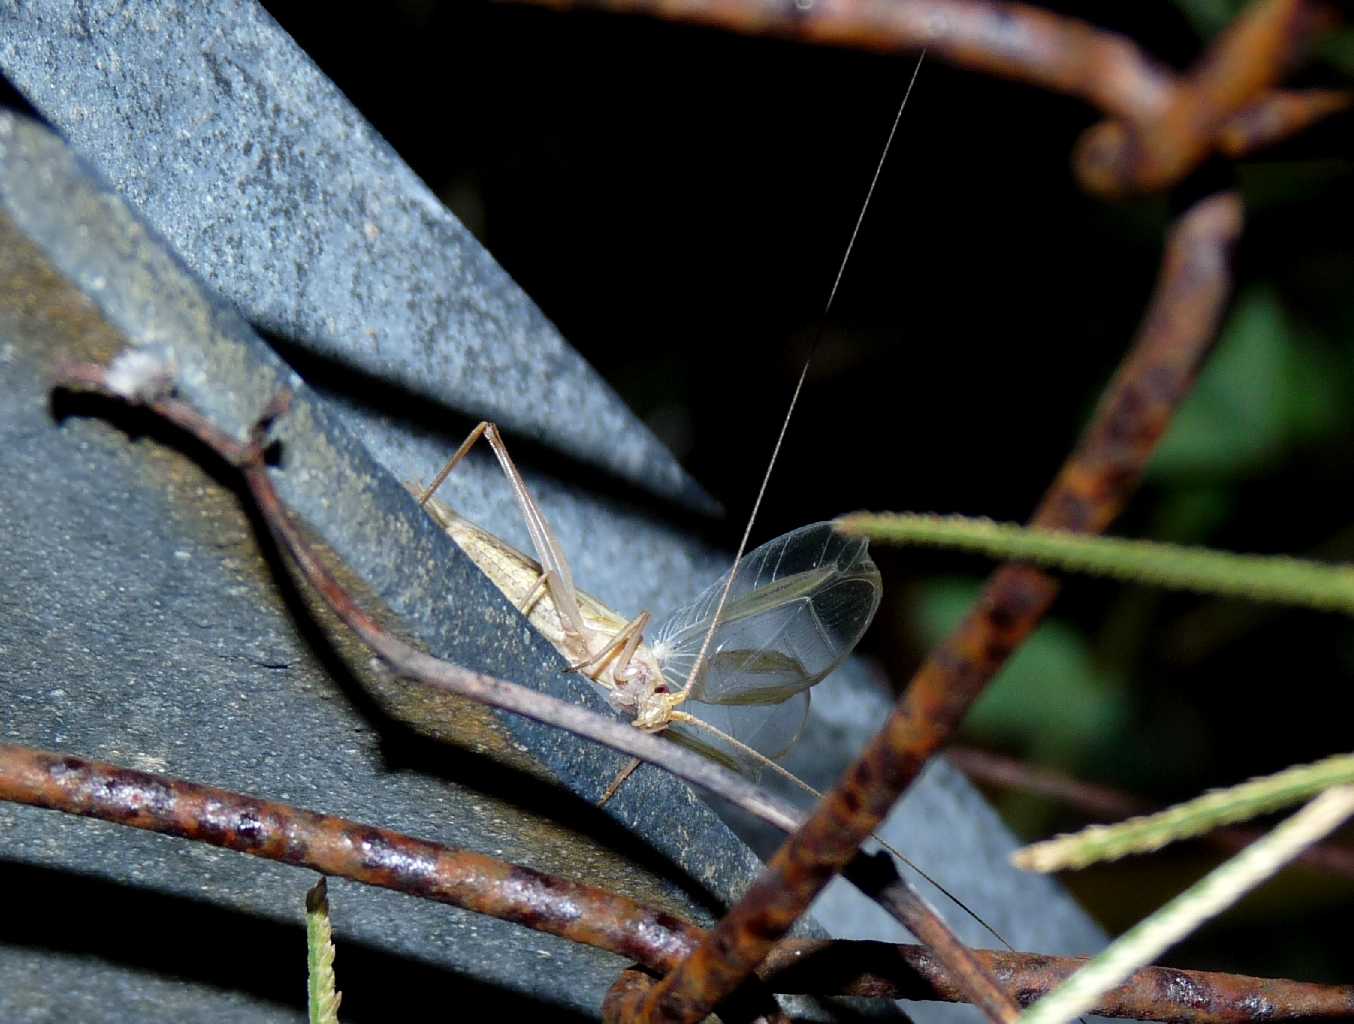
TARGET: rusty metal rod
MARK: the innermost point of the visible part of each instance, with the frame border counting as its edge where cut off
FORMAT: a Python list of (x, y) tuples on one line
[(342, 848), (1092, 487), (390, 860), (1150, 153), (1175, 122), (1153, 993), (1010, 40), (877, 877), (1278, 116)]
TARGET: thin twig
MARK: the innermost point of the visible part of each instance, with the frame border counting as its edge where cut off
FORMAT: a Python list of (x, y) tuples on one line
[(1161, 125), (1249, 58)]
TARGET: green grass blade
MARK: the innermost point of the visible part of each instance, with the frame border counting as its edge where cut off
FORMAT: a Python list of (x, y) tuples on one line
[(1192, 818), (1146, 941), (1279, 579), (322, 996)]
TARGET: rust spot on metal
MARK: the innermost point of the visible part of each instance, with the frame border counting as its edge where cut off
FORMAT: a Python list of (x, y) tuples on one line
[(626, 996), (250, 831)]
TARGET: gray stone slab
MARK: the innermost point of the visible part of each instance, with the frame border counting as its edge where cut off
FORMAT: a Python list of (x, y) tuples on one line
[(255, 167), (144, 624)]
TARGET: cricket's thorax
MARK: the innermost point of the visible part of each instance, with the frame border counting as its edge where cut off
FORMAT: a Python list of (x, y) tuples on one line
[(638, 690)]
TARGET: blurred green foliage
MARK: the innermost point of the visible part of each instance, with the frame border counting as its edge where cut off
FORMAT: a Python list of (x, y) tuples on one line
[(1271, 386), (1209, 17), (1052, 700)]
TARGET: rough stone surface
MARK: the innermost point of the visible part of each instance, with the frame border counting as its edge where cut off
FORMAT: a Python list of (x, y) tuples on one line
[(145, 624), (253, 165)]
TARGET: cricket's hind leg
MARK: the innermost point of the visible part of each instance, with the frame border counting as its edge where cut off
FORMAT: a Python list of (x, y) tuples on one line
[(557, 578), (618, 781), (626, 642)]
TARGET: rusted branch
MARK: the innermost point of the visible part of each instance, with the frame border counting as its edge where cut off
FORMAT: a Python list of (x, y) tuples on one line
[(1154, 993), (1150, 153), (1161, 125), (345, 849), (1108, 804), (1089, 491), (581, 913)]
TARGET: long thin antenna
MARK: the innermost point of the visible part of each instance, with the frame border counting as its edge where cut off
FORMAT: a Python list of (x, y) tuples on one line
[(762, 761), (799, 385), (869, 194)]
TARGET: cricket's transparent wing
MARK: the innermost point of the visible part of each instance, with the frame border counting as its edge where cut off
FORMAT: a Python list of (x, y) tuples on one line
[(770, 731), (798, 606)]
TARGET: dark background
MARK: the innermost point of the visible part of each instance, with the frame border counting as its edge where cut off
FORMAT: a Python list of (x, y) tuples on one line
[(677, 200)]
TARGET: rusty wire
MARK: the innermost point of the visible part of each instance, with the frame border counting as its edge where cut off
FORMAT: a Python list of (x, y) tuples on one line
[(1090, 490), (1160, 125), (877, 877), (1155, 152), (866, 968), (342, 848), (582, 913)]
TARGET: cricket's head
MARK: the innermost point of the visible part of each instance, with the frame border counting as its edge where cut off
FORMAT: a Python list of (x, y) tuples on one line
[(655, 714), (639, 691)]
